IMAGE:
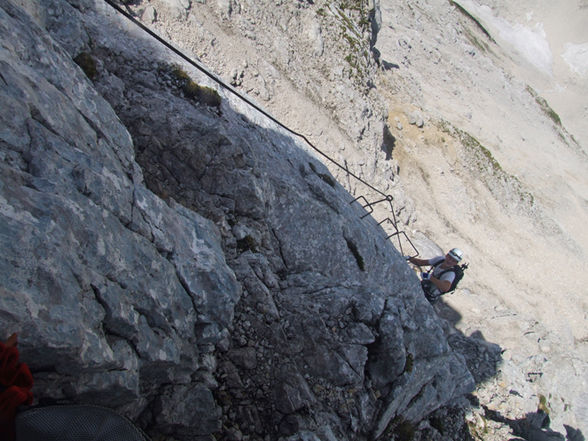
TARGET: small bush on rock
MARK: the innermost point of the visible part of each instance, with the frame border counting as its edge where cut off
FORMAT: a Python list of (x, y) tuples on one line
[(87, 64), (201, 94)]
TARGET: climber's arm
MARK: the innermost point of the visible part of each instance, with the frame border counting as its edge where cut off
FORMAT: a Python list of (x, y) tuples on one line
[(442, 285), (418, 262)]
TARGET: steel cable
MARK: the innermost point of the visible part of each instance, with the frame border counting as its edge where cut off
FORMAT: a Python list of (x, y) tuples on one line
[(225, 86)]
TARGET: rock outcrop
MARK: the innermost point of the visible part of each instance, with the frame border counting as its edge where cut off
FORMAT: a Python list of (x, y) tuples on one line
[(311, 64), (172, 254)]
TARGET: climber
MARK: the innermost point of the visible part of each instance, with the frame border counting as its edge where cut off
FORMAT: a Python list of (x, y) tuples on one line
[(16, 383), (444, 275)]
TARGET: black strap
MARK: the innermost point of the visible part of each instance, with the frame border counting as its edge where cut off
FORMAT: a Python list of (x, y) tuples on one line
[(453, 269)]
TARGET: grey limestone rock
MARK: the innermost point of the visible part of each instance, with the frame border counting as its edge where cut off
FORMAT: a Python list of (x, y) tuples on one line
[(190, 264), (110, 288)]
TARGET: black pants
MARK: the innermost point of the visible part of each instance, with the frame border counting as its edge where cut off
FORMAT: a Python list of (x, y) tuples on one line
[(429, 290)]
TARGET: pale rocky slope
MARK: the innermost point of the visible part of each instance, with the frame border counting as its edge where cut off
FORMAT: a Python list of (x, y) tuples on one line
[(527, 290)]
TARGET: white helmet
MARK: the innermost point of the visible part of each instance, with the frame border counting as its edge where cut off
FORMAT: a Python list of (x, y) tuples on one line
[(456, 253)]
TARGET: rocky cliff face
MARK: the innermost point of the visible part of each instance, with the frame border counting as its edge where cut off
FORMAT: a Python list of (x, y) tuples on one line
[(471, 151), (172, 254), (311, 64)]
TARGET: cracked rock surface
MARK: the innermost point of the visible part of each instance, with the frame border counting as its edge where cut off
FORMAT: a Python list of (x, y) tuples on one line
[(188, 264)]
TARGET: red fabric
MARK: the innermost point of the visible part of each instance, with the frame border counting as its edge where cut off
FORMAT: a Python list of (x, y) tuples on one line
[(16, 382)]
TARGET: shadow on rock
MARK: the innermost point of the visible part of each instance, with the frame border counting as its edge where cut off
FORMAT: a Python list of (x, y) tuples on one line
[(534, 427), (482, 357)]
